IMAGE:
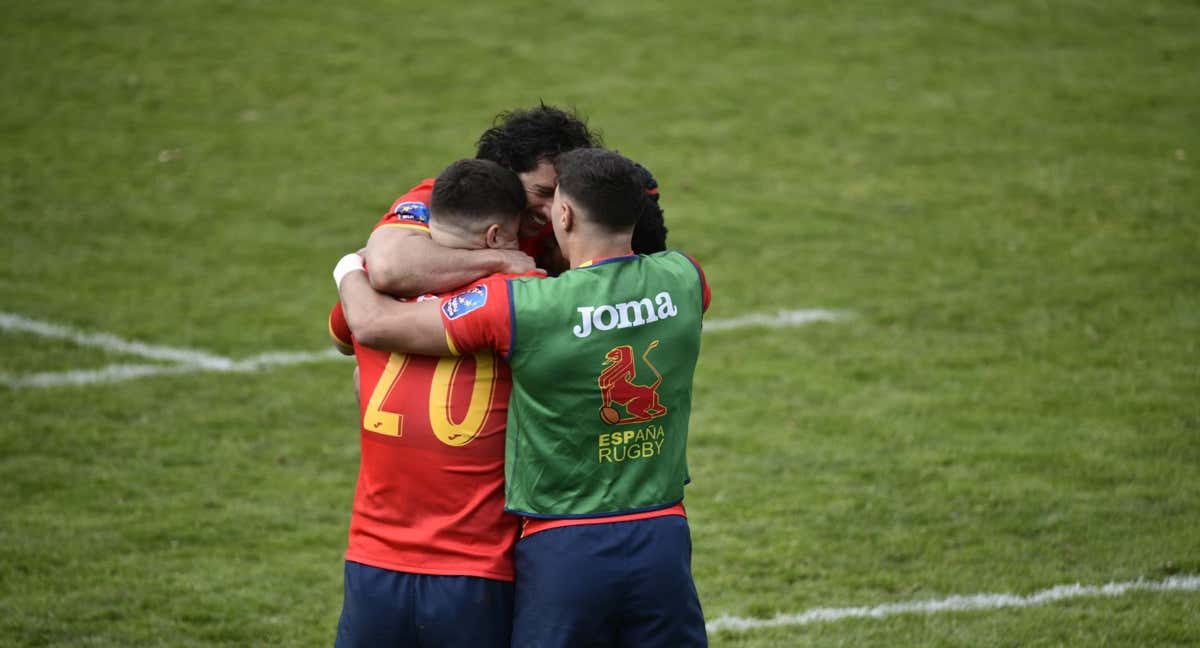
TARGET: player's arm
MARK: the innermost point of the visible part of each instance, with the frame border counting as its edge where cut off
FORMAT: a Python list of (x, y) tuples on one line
[(405, 262), (705, 290), (339, 330), (381, 322)]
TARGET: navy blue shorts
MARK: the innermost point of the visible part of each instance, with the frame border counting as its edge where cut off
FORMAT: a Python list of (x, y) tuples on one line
[(613, 584), (388, 608)]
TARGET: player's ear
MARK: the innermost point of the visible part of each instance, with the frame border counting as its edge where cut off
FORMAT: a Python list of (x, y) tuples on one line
[(502, 235), (493, 236), (567, 217)]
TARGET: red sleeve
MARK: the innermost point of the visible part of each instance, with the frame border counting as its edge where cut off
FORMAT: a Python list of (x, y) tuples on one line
[(410, 210), (479, 317), (339, 330), (703, 282)]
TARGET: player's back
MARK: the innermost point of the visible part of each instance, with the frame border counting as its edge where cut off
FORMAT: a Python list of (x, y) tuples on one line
[(430, 488), (603, 358)]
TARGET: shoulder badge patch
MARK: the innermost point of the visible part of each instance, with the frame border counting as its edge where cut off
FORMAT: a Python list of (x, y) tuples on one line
[(465, 302), (415, 212)]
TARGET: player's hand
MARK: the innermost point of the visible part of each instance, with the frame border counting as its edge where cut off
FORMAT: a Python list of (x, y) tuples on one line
[(515, 262)]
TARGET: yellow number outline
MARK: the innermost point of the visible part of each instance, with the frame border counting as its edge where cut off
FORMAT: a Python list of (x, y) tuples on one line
[(457, 434), (483, 388), (375, 418)]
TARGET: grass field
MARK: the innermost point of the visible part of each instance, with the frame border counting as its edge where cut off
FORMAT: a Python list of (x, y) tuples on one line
[(1002, 196)]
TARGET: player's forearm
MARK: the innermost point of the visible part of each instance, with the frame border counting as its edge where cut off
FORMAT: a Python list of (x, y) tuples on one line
[(380, 322), (365, 308), (410, 263)]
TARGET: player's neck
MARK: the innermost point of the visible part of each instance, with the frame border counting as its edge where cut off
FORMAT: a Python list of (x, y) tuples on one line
[(595, 247), (449, 236)]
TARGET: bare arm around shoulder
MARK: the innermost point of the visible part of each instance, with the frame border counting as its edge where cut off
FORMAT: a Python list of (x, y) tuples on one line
[(406, 262), (381, 322)]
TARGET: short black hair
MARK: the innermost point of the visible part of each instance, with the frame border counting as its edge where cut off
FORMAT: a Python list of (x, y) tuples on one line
[(518, 139), (650, 233), (470, 191), (606, 185)]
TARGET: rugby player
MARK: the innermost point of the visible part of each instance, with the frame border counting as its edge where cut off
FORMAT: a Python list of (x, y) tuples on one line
[(405, 262), (429, 560), (596, 443)]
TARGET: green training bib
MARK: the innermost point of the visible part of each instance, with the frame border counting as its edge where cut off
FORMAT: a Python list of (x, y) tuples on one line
[(602, 364)]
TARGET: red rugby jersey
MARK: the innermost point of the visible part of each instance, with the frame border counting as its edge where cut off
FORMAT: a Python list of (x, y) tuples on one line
[(411, 209), (430, 494)]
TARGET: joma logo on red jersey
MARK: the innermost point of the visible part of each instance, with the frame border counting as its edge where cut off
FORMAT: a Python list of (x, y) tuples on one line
[(633, 313)]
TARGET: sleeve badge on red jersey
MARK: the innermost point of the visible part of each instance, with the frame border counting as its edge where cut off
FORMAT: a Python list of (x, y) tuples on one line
[(465, 302), (413, 212)]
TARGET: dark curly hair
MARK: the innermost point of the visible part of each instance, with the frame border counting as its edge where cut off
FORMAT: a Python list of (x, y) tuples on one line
[(518, 139), (650, 232)]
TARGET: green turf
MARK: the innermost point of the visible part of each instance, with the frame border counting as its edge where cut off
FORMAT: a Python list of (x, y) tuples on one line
[(1004, 195)]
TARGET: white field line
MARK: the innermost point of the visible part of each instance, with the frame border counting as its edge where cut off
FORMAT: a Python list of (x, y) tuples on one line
[(284, 358), (194, 360), (202, 359), (784, 318), (956, 604), (121, 372), (106, 374), (183, 360)]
